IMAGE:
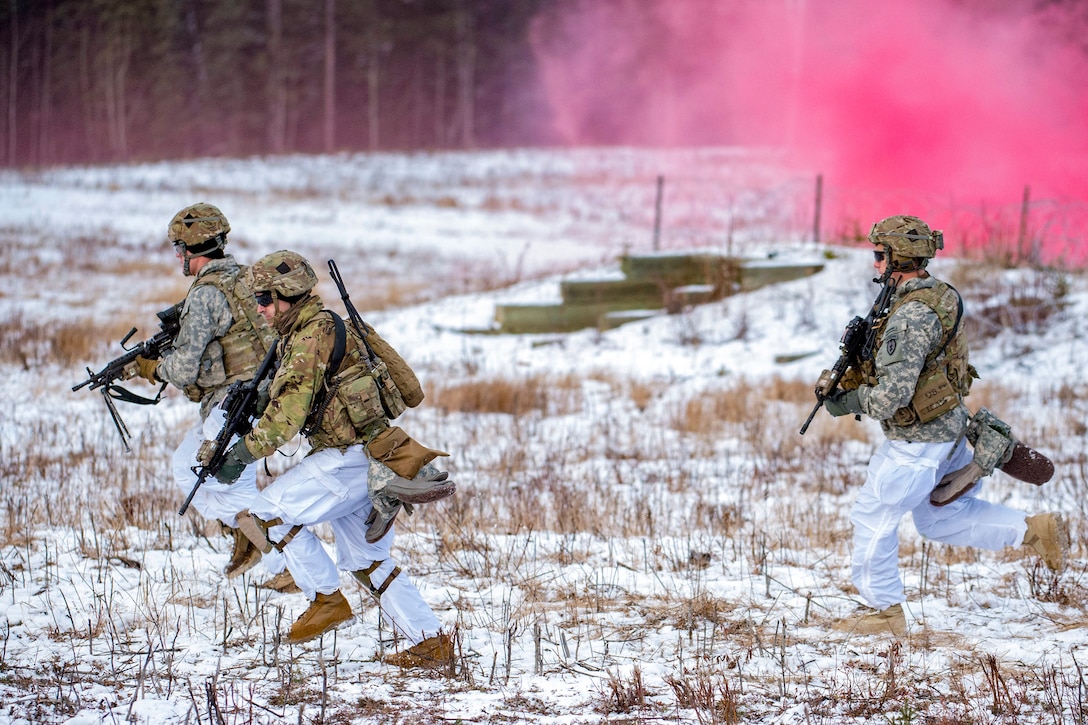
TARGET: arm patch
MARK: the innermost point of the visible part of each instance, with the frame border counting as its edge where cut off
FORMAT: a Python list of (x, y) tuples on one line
[(891, 346)]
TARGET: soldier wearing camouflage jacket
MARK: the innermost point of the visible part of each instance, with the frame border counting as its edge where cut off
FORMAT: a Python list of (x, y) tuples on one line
[(222, 339), (329, 485), (914, 386)]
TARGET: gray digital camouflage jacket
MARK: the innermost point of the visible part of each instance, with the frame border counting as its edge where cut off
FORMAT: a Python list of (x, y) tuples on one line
[(909, 334), (197, 357)]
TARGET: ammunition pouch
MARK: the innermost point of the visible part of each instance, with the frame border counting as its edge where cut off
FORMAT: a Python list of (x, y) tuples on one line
[(392, 401), (357, 391), (934, 396)]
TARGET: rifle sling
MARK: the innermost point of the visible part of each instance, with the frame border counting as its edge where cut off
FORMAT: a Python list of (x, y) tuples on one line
[(127, 396)]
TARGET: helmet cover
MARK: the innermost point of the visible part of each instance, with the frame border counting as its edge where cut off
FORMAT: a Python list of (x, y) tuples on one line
[(286, 273)]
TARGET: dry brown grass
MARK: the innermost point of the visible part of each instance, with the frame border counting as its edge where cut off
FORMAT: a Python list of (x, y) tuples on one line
[(537, 393), (28, 344)]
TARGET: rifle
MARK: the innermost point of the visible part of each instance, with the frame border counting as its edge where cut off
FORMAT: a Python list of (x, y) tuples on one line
[(855, 346), (353, 314), (118, 368), (391, 397), (240, 405)]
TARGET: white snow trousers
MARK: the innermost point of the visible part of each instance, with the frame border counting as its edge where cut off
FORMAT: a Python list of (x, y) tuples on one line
[(216, 500), (331, 486), (900, 478)]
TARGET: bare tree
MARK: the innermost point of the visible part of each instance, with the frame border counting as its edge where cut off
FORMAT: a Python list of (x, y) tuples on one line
[(13, 84), (466, 72), (330, 76), (276, 82)]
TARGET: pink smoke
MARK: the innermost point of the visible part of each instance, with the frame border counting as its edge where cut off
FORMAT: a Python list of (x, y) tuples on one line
[(943, 108)]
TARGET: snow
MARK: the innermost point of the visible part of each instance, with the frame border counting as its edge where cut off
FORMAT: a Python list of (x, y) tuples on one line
[(723, 553)]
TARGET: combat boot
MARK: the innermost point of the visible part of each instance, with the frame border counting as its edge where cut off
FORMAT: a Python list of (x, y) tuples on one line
[(432, 653), (283, 583), (326, 613), (243, 557), (884, 621), (1048, 536)]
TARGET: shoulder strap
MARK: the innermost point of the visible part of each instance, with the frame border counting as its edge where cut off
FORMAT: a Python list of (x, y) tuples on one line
[(923, 296), (321, 400), (339, 345)]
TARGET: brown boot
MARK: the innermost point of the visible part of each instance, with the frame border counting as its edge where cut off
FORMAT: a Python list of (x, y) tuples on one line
[(243, 557), (1048, 536), (884, 621), (283, 583), (326, 613), (432, 653)]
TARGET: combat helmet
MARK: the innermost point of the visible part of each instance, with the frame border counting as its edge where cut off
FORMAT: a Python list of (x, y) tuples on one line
[(198, 230), (907, 240), (286, 274)]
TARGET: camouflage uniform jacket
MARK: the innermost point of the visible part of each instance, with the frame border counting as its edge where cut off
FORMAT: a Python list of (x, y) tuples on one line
[(305, 351), (911, 332), (196, 364)]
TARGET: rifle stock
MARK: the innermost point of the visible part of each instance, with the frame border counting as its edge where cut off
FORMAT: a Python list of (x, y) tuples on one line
[(239, 405)]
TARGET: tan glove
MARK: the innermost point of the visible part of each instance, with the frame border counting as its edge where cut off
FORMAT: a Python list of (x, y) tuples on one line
[(147, 369), (205, 452)]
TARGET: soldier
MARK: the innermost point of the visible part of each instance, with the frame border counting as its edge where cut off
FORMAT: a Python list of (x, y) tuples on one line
[(920, 356), (222, 339), (324, 389)]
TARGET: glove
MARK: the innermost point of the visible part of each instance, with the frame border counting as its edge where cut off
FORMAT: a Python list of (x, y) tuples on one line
[(238, 457), (146, 369), (204, 453), (261, 404), (843, 402)]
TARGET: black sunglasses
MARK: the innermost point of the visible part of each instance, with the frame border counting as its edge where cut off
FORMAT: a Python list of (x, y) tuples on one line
[(878, 256), (264, 299)]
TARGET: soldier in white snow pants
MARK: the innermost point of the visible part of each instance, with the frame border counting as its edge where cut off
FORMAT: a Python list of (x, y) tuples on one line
[(331, 486), (912, 374), (900, 478), (216, 500), (326, 389)]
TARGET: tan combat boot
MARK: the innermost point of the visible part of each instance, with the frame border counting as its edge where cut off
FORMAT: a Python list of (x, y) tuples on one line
[(283, 583), (243, 557), (885, 621), (1048, 536), (326, 613), (432, 653)]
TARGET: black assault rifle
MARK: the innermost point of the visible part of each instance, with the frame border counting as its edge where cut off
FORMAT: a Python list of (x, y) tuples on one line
[(353, 314), (240, 404), (117, 369), (856, 345)]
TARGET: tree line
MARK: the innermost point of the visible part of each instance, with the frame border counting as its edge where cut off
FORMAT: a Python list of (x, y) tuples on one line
[(85, 81)]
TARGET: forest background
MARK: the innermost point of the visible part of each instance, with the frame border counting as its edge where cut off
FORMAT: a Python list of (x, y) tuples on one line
[(135, 80)]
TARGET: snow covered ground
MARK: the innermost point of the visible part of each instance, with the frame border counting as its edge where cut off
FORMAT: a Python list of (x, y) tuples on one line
[(644, 538)]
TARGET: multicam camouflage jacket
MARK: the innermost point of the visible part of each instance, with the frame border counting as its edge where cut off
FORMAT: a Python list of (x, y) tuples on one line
[(911, 333), (222, 338), (305, 352)]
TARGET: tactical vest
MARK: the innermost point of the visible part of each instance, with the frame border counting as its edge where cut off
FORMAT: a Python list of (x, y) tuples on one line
[(945, 379), (348, 406), (244, 345)]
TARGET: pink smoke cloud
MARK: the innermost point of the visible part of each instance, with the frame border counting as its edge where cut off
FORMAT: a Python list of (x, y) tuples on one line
[(946, 105)]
